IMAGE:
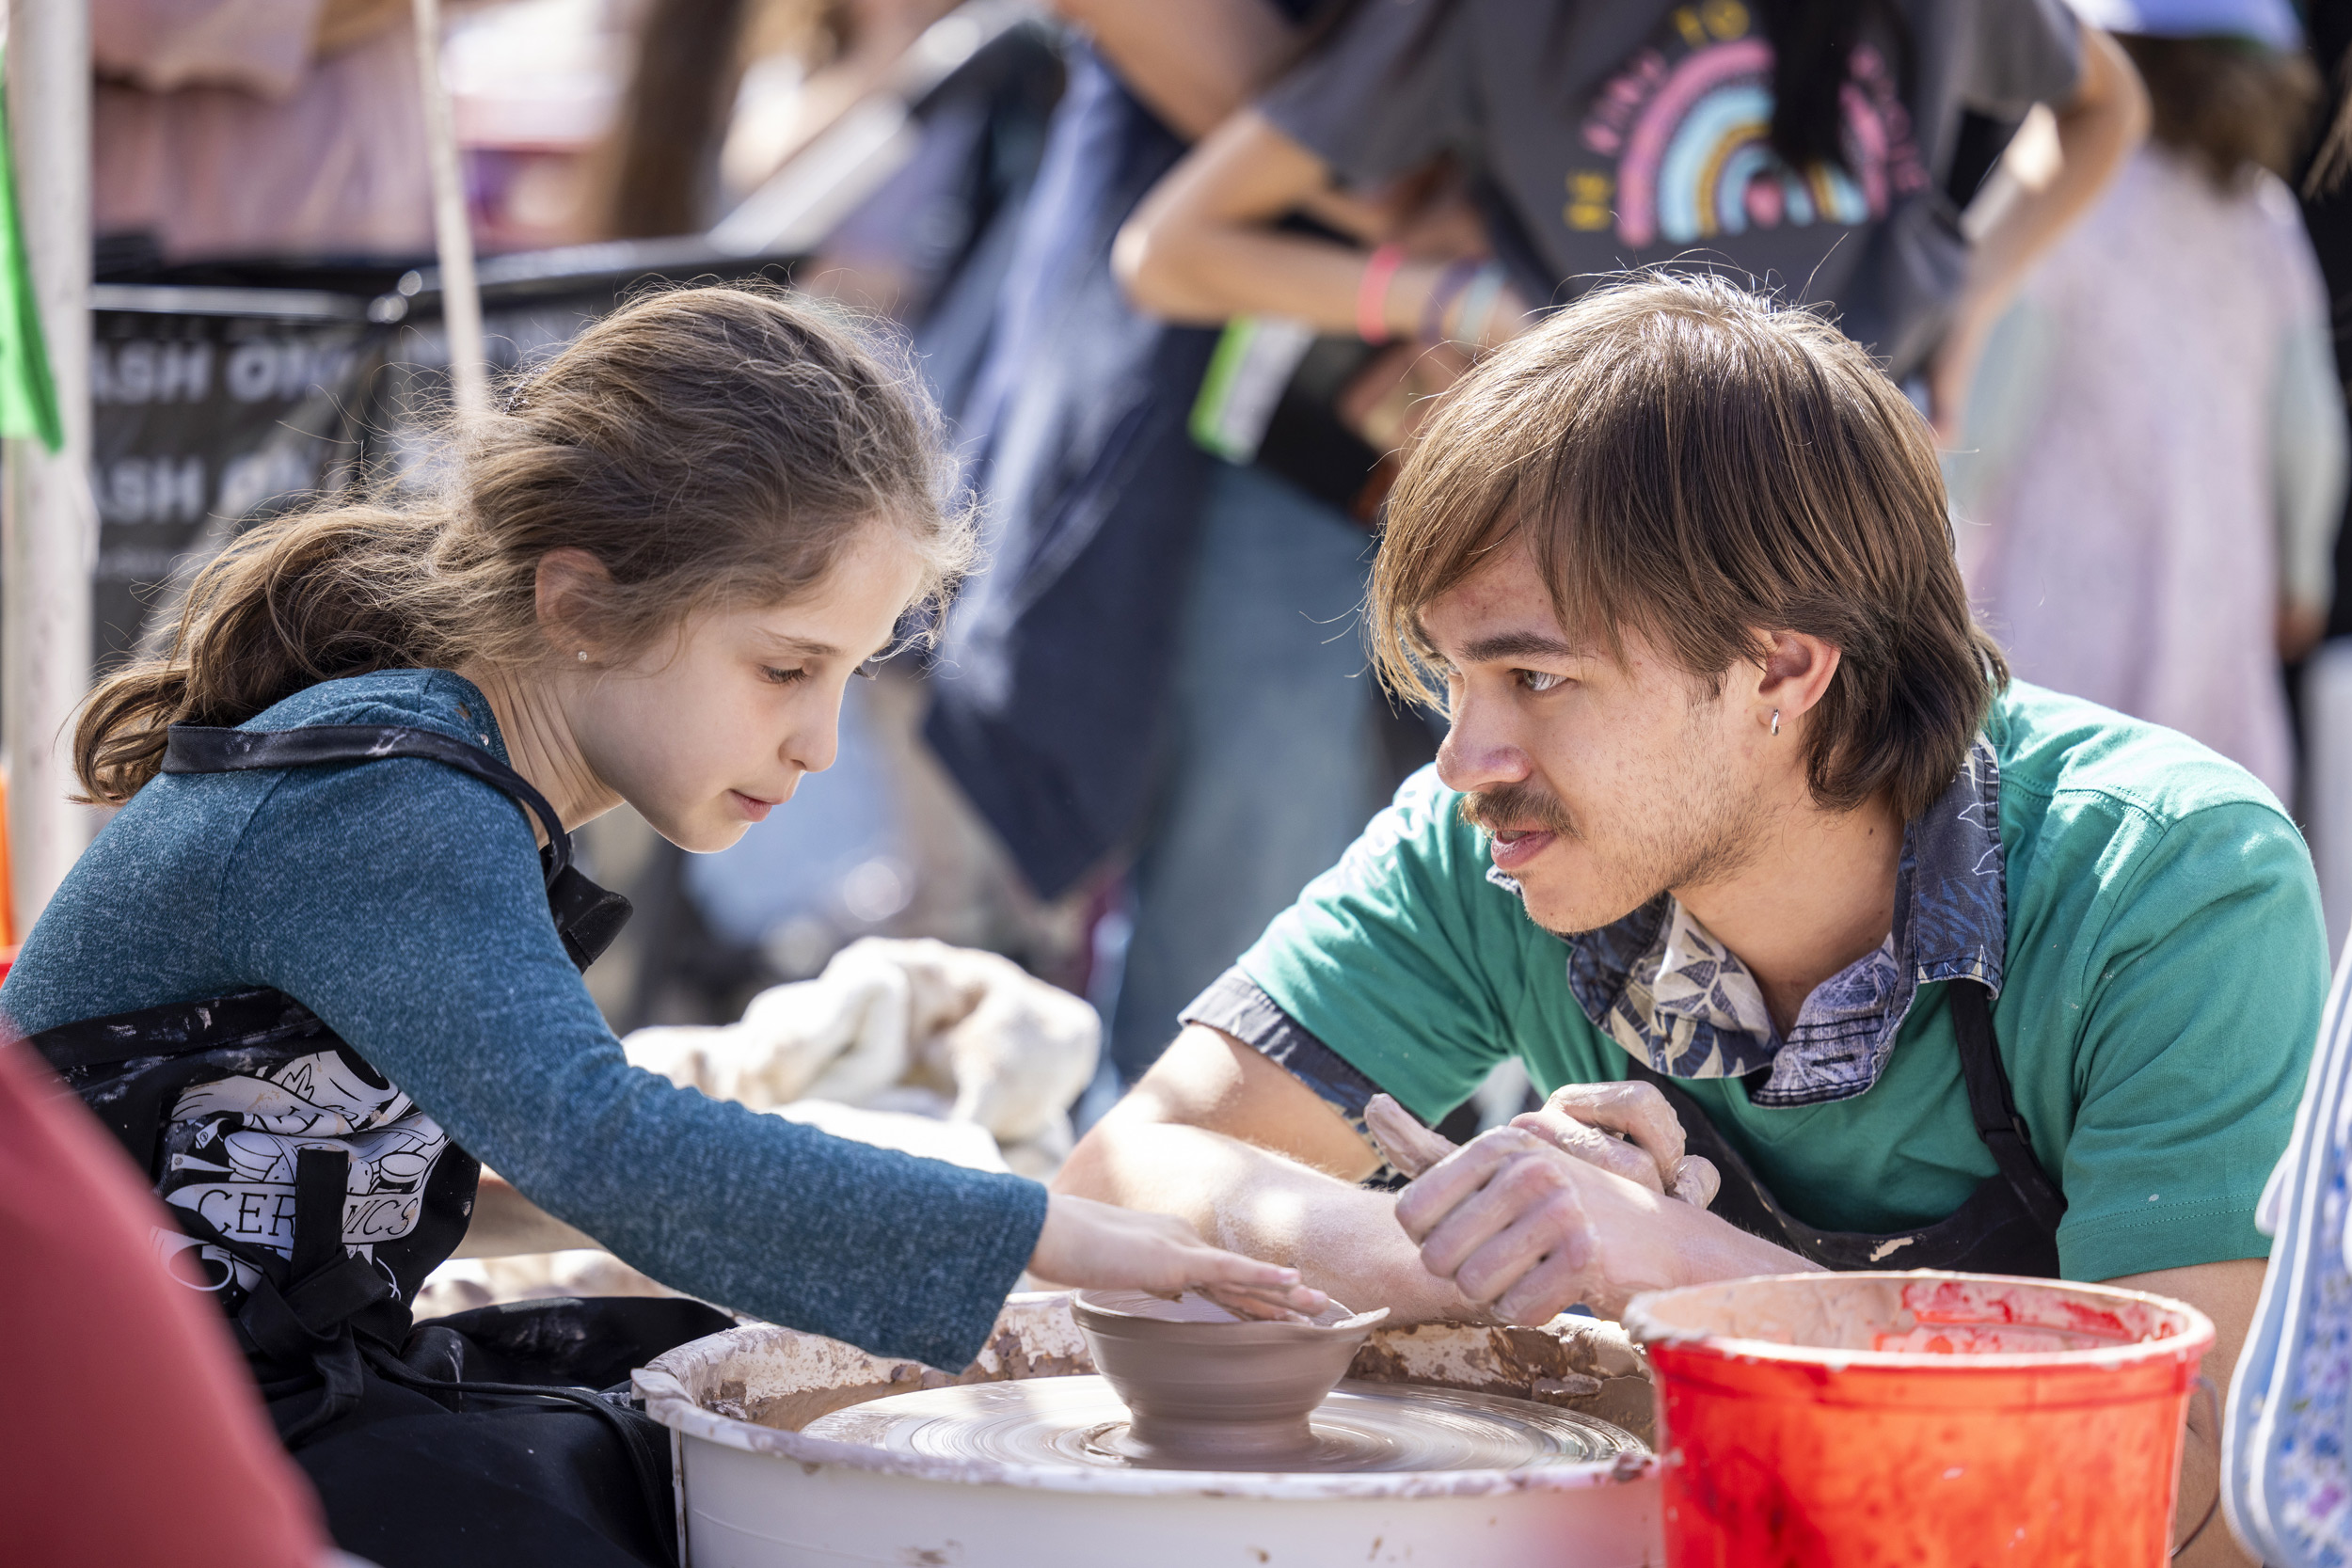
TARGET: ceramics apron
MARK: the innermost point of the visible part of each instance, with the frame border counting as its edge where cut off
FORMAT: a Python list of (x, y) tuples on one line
[(2009, 1225), (313, 1197)]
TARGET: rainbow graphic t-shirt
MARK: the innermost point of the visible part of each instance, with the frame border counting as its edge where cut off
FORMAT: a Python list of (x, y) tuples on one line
[(1677, 144), (1613, 133)]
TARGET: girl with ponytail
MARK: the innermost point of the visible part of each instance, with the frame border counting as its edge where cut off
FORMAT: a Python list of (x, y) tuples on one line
[(326, 957)]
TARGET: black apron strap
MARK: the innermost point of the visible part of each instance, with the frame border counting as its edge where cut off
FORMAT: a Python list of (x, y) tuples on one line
[(1998, 1124), (319, 1177), (588, 917), (197, 748), (2007, 1225), (307, 1326)]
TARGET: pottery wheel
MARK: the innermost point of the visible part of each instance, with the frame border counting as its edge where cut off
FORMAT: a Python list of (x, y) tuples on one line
[(1362, 1427)]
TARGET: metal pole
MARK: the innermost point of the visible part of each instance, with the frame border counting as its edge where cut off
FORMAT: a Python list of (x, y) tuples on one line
[(49, 521), (453, 231)]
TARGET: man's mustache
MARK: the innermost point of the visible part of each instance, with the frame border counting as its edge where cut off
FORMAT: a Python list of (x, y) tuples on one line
[(1518, 808)]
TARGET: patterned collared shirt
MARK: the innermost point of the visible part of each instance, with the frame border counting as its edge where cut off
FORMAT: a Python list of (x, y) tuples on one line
[(1673, 997)]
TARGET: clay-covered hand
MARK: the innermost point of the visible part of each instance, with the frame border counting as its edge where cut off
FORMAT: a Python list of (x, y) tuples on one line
[(1528, 1231), (1093, 1246), (1594, 1122), (1402, 1140), (1579, 1120)]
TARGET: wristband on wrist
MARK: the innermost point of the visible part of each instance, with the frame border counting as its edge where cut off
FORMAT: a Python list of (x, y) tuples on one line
[(1478, 304), (1372, 293), (1449, 282)]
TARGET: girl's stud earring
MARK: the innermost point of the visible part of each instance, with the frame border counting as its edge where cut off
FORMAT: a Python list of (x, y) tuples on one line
[(1775, 713), (584, 659)]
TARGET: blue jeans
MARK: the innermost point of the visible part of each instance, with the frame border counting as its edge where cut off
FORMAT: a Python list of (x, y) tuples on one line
[(1275, 758)]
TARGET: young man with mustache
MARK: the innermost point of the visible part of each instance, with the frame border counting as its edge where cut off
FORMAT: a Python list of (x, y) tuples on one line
[(1744, 844)]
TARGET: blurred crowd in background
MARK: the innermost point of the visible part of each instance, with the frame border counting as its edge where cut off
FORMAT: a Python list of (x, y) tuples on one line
[(1183, 272)]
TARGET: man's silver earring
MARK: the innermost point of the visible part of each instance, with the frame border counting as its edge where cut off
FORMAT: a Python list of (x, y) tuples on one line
[(1775, 713)]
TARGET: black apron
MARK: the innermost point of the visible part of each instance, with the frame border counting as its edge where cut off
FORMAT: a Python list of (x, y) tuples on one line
[(314, 1197), (2009, 1225)]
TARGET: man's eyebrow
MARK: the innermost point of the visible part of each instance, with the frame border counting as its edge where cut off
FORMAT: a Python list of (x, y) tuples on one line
[(1497, 646)]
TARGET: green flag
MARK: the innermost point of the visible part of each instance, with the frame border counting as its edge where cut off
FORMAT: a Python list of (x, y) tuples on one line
[(29, 399)]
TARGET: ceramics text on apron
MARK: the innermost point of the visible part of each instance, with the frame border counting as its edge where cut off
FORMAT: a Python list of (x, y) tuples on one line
[(312, 1196), (2009, 1225)]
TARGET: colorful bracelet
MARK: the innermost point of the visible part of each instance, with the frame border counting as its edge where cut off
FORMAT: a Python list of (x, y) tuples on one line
[(1372, 293), (1449, 282), (1479, 304)]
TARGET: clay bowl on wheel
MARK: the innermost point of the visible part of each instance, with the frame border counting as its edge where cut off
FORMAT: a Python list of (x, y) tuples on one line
[(1203, 1385)]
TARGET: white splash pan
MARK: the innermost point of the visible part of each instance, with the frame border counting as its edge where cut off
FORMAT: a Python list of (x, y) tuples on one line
[(753, 1494)]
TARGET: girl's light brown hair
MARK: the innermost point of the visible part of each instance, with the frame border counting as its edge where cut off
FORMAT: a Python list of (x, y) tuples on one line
[(705, 446), (1705, 467)]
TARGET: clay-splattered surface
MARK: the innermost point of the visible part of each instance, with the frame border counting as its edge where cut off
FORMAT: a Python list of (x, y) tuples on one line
[(1581, 1364), (1009, 1357), (749, 1390), (1360, 1428)]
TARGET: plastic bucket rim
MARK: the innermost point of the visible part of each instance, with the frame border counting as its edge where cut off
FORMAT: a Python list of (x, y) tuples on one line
[(2196, 1336)]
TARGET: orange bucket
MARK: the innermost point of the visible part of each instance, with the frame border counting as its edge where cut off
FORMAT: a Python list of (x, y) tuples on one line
[(1931, 1421)]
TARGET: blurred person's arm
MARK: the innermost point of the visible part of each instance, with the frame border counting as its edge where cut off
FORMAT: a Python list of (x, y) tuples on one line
[(1351, 135), (1194, 64), (1201, 247), (2228, 1293), (152, 1444), (2309, 450), (2096, 130)]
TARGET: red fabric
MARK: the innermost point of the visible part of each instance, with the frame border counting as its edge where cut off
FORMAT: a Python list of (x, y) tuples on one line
[(133, 1433)]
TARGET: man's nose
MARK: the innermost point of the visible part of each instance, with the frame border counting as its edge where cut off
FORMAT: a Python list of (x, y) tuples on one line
[(1479, 751)]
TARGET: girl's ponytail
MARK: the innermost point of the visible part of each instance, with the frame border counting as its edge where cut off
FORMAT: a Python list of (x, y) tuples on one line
[(295, 601)]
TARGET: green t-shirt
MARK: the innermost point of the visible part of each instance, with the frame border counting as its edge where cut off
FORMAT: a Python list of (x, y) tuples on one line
[(2165, 968)]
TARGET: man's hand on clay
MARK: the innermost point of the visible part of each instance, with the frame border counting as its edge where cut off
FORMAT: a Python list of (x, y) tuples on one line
[(1402, 1140), (1627, 1129), (1093, 1246), (1578, 1120), (1519, 1226)]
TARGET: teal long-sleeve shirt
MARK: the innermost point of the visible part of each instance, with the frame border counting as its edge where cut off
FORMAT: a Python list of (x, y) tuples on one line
[(401, 901)]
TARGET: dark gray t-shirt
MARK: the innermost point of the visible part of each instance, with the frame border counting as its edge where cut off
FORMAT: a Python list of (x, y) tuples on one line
[(1612, 134)]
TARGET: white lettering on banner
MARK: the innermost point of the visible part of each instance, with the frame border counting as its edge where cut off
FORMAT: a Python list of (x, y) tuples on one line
[(261, 1213), (285, 368), (137, 373), (150, 490)]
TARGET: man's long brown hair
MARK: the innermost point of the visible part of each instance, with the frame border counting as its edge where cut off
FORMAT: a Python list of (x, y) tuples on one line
[(1708, 467)]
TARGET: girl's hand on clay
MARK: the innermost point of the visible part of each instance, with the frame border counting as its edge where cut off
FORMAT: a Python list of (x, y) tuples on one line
[(1093, 1246)]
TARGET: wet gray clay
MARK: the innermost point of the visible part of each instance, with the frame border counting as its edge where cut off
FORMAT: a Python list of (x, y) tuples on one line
[(1203, 1385)]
